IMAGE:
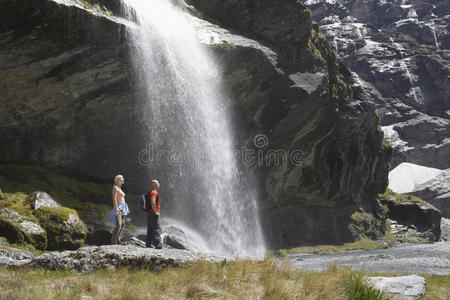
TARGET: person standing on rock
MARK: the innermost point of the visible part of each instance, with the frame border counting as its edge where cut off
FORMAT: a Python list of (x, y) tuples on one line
[(153, 226), (120, 209)]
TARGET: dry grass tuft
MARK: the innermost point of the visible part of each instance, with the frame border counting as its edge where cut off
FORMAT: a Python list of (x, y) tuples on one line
[(238, 279)]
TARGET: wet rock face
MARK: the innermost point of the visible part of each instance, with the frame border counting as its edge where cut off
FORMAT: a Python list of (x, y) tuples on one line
[(400, 51), (280, 21), (68, 100), (66, 90), (343, 160)]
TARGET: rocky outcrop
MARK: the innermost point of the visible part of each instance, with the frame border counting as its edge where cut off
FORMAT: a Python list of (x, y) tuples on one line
[(309, 107), (73, 77), (64, 228), (41, 199), (429, 184), (437, 192), (422, 217), (403, 287), (65, 75), (95, 258), (445, 229), (21, 229), (399, 51), (13, 256)]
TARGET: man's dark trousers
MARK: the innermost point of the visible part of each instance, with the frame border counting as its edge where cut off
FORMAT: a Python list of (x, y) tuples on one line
[(153, 230)]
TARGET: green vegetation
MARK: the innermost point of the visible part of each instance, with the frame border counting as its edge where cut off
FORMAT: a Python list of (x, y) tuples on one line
[(237, 279), (11, 232), (362, 244), (357, 289), (390, 196), (323, 52), (60, 234), (87, 197), (363, 222), (437, 287), (17, 181), (96, 7)]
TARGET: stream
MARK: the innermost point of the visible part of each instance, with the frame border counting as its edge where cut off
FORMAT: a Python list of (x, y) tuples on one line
[(405, 259)]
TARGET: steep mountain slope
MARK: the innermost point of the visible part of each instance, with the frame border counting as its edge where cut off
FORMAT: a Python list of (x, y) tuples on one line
[(401, 51)]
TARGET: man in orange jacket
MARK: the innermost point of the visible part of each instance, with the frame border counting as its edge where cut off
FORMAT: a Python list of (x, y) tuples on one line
[(153, 226)]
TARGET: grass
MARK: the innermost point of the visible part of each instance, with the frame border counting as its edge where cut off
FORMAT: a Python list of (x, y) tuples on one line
[(362, 244), (438, 287), (390, 196), (238, 279), (357, 289)]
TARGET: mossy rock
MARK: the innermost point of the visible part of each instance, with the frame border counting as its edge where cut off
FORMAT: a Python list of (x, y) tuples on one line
[(11, 232), (64, 228), (20, 229), (1, 195), (37, 238), (391, 196)]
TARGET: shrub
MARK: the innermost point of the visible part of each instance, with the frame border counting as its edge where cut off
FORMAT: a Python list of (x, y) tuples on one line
[(357, 289)]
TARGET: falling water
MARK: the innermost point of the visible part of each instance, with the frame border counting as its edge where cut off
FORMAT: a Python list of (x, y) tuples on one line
[(189, 126)]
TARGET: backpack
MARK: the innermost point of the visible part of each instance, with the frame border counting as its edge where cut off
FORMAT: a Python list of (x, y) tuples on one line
[(145, 200)]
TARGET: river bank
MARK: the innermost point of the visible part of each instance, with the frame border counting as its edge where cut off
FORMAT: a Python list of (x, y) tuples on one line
[(403, 259)]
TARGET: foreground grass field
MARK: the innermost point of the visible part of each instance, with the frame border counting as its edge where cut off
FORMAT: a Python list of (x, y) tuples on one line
[(241, 279)]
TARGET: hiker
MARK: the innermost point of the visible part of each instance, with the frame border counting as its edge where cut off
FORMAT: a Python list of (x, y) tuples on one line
[(153, 226), (120, 209)]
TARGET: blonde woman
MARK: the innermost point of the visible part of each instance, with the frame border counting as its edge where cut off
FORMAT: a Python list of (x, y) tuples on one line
[(120, 208)]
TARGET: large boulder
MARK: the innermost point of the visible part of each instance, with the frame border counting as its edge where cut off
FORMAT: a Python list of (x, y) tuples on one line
[(22, 229), (409, 210), (437, 192), (429, 184), (39, 199), (65, 230), (401, 288)]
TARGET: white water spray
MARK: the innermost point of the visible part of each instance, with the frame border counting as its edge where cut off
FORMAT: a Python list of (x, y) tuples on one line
[(187, 114)]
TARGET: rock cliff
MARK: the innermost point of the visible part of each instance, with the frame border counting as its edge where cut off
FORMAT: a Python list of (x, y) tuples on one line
[(400, 52), (70, 101)]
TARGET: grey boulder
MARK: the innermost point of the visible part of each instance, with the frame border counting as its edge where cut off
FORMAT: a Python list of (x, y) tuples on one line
[(437, 192), (92, 258), (403, 287), (39, 199)]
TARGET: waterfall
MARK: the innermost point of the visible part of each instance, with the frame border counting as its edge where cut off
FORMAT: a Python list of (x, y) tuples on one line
[(190, 132)]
